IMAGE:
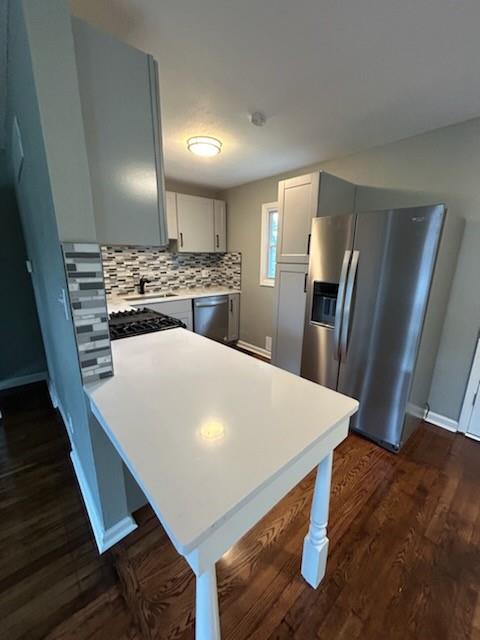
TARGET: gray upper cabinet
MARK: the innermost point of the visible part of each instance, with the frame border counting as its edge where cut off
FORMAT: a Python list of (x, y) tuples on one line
[(121, 112), (220, 225), (195, 224), (297, 205), (302, 198), (201, 224)]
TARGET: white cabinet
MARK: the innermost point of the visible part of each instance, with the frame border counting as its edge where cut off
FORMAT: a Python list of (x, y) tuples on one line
[(297, 205), (289, 316), (220, 225), (195, 220), (121, 113), (171, 204), (233, 317), (201, 223), (299, 200), (302, 198)]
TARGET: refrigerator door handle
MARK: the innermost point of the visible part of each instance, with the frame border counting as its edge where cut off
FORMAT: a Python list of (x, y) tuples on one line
[(340, 301), (347, 309)]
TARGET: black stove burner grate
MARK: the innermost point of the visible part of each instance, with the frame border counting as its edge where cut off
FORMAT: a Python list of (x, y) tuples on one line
[(135, 322)]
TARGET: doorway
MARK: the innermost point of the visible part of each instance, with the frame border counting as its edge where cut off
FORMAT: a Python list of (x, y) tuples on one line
[(469, 422)]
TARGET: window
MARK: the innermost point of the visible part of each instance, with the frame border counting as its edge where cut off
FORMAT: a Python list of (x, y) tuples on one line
[(268, 251)]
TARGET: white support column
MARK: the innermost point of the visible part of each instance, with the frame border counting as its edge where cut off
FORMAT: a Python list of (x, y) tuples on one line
[(207, 622), (315, 546)]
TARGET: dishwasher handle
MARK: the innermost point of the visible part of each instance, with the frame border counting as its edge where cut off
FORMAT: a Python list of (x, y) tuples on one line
[(209, 302)]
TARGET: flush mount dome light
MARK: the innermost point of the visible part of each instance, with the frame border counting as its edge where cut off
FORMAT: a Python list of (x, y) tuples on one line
[(205, 146)]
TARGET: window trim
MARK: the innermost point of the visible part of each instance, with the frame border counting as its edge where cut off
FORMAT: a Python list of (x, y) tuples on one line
[(267, 208)]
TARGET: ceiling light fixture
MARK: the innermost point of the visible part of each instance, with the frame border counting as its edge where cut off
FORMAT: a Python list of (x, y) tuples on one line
[(205, 146)]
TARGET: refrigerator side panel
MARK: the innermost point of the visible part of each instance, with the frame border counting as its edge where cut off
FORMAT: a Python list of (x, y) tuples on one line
[(330, 251), (445, 267), (396, 251)]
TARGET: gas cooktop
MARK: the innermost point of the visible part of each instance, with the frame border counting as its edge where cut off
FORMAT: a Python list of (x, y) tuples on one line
[(135, 322)]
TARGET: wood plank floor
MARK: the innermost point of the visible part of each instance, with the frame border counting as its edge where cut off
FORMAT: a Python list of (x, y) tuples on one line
[(404, 549)]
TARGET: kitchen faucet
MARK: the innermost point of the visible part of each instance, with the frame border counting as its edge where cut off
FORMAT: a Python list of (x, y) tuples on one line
[(141, 285)]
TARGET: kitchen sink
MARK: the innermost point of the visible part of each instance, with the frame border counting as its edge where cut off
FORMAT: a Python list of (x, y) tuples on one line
[(149, 296)]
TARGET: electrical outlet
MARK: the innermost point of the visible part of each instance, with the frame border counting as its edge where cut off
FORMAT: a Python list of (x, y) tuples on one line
[(268, 343)]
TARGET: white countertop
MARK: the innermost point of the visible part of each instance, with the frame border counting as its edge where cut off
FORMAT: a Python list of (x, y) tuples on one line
[(172, 390), (120, 303)]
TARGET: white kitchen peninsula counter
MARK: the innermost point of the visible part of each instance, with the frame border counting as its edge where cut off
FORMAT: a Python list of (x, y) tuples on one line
[(216, 438)]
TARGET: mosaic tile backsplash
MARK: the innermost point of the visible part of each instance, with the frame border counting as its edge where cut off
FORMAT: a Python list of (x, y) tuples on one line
[(123, 267), (86, 286)]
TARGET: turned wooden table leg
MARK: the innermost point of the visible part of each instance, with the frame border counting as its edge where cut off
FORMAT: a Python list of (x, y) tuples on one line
[(315, 546), (207, 622)]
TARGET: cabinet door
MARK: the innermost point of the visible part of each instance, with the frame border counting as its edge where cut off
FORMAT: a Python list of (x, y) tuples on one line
[(297, 205), (118, 91), (195, 223), (233, 317), (171, 203), (220, 226), (289, 316)]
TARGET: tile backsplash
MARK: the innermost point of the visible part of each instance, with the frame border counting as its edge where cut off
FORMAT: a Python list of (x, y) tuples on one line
[(86, 288), (123, 267)]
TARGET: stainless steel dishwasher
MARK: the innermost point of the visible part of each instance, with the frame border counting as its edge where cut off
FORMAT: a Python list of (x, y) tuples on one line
[(210, 317)]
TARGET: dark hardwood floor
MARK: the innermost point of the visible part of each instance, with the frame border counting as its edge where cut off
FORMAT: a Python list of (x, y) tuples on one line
[(404, 549)]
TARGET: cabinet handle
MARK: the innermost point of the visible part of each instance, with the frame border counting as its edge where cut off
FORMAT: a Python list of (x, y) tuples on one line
[(231, 306), (305, 284), (308, 243), (218, 241), (181, 239)]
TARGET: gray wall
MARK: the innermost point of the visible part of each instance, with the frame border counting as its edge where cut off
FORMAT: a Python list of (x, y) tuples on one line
[(190, 188), (20, 339), (51, 171), (444, 162)]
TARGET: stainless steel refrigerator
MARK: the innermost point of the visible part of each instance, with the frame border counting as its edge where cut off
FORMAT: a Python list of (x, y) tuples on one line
[(368, 289)]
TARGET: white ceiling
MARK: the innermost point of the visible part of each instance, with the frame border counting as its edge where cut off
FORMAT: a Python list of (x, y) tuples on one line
[(332, 76)]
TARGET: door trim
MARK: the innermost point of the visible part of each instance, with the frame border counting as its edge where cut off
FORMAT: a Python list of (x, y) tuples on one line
[(471, 390)]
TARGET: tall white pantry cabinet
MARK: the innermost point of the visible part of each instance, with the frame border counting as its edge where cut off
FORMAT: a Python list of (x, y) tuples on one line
[(300, 199)]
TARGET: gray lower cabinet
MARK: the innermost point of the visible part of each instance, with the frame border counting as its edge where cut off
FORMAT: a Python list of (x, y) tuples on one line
[(233, 317), (179, 309), (121, 112), (183, 310), (289, 317)]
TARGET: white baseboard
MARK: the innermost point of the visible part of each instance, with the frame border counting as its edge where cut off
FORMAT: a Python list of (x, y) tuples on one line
[(105, 538), (53, 394), (442, 421), (18, 381), (472, 436), (254, 349)]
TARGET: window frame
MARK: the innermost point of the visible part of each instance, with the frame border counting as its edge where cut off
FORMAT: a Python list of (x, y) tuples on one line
[(267, 209)]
